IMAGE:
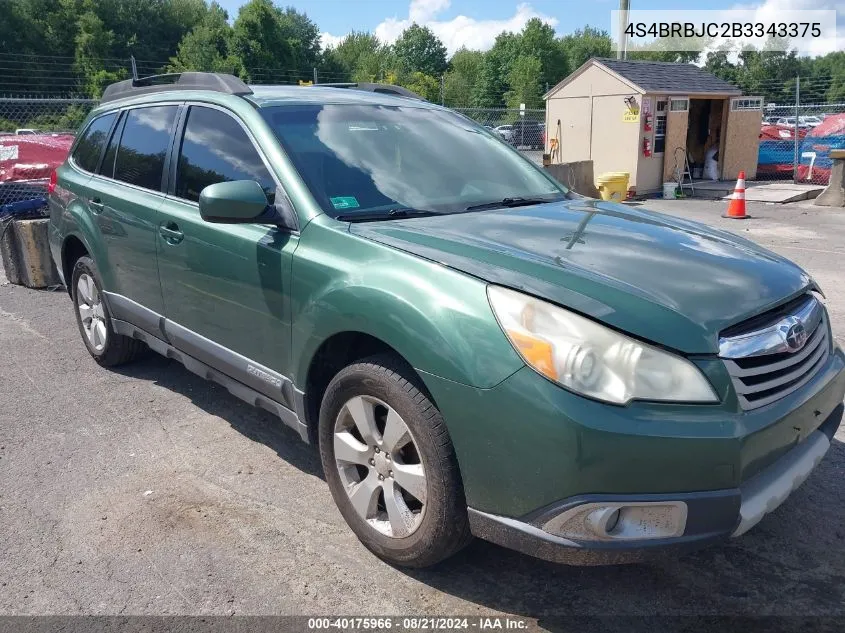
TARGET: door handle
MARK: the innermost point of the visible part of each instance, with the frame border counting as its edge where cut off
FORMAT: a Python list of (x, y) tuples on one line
[(171, 233), (96, 206)]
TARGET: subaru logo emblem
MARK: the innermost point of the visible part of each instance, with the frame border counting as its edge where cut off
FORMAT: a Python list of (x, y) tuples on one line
[(796, 336)]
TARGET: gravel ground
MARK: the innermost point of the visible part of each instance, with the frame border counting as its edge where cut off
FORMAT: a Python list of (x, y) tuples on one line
[(146, 490)]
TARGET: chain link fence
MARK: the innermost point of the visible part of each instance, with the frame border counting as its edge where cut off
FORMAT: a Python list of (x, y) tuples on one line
[(35, 137), (524, 129), (36, 133), (795, 141)]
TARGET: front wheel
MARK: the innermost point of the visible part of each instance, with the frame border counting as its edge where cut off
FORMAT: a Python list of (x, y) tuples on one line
[(390, 465)]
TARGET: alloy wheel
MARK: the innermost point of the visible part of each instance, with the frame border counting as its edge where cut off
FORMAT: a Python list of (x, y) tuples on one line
[(380, 466), (90, 307)]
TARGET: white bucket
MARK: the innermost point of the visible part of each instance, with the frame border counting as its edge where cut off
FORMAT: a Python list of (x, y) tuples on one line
[(669, 190)]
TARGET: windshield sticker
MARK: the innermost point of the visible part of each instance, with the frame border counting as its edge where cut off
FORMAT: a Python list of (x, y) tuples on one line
[(345, 202)]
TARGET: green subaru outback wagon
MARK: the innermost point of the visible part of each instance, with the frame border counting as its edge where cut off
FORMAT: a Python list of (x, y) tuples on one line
[(474, 349)]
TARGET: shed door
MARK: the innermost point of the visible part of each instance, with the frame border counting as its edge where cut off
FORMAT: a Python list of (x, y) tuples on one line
[(742, 138), (677, 121), (575, 117)]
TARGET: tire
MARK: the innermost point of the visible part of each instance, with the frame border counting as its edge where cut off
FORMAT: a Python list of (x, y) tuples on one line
[(430, 533), (107, 347)]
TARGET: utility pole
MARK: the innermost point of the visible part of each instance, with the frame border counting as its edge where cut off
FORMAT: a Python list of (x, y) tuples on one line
[(315, 75), (795, 129), (622, 42), (442, 89)]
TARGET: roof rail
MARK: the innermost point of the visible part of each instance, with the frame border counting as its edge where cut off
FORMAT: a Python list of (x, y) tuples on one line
[(388, 89), (218, 82)]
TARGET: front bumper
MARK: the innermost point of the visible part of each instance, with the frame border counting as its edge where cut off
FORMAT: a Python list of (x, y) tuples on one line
[(527, 447), (710, 516)]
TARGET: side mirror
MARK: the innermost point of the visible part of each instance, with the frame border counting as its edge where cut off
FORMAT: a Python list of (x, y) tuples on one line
[(235, 202)]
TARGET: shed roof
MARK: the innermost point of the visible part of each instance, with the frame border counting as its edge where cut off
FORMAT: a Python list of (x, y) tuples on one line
[(662, 77)]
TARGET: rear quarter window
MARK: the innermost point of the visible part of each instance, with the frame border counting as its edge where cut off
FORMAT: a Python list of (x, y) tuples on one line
[(90, 146)]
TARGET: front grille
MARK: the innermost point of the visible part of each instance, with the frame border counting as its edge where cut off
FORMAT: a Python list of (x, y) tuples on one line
[(762, 378)]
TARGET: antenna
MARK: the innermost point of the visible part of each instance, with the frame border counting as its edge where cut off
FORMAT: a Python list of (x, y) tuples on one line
[(134, 68)]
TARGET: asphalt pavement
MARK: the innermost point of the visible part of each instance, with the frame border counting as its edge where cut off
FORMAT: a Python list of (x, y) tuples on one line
[(146, 490)]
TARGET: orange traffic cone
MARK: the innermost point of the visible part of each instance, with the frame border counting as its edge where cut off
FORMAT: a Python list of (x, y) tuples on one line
[(736, 207)]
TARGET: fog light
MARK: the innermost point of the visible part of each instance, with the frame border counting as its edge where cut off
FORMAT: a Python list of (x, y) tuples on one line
[(615, 521)]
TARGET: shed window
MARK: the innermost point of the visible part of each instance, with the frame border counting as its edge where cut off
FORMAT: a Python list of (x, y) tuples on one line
[(745, 103), (679, 105), (660, 126)]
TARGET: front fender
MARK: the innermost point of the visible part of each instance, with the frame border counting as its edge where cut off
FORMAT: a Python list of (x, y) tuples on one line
[(438, 319)]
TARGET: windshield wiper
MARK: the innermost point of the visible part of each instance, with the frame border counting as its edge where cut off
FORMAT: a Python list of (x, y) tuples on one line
[(508, 203), (392, 214)]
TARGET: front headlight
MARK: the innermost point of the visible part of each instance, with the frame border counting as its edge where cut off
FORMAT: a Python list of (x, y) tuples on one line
[(591, 359)]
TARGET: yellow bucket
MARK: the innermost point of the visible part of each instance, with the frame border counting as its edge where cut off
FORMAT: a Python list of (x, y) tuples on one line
[(613, 185)]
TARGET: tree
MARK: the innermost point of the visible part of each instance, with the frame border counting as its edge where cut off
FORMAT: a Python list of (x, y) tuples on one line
[(348, 53), (260, 43), (665, 50), (147, 29), (718, 63), (538, 40), (302, 36), (524, 81), (770, 73), (426, 86), (584, 44), (492, 84), (461, 78), (828, 70), (377, 66), (93, 43), (273, 44), (418, 49), (207, 46)]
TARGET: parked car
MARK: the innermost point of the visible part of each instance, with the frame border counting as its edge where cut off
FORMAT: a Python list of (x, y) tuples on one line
[(26, 162), (505, 131), (474, 349), (816, 164), (776, 153), (527, 134), (803, 121)]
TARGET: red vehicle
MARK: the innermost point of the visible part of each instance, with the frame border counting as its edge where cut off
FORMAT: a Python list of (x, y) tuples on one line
[(777, 150), (815, 158), (32, 156), (26, 162)]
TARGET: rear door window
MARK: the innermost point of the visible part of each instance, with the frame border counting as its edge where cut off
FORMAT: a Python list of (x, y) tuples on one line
[(215, 149), (90, 146), (143, 146)]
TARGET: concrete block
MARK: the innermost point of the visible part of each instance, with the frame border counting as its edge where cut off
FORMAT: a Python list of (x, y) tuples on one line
[(834, 193), (578, 176), (25, 251)]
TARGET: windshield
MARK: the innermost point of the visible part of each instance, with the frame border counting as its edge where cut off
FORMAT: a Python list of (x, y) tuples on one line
[(369, 159)]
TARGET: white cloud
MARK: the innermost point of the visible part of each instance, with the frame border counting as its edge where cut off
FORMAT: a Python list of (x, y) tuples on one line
[(456, 32), (421, 11), (327, 40)]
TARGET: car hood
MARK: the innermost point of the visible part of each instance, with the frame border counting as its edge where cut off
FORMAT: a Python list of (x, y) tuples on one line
[(669, 281)]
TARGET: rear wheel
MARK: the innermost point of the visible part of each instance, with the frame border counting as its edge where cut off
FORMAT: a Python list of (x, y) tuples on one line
[(92, 316), (390, 464)]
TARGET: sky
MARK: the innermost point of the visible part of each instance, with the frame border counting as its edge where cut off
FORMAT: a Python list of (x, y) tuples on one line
[(475, 23)]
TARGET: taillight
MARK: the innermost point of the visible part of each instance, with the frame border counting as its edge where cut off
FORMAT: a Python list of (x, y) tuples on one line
[(54, 178)]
